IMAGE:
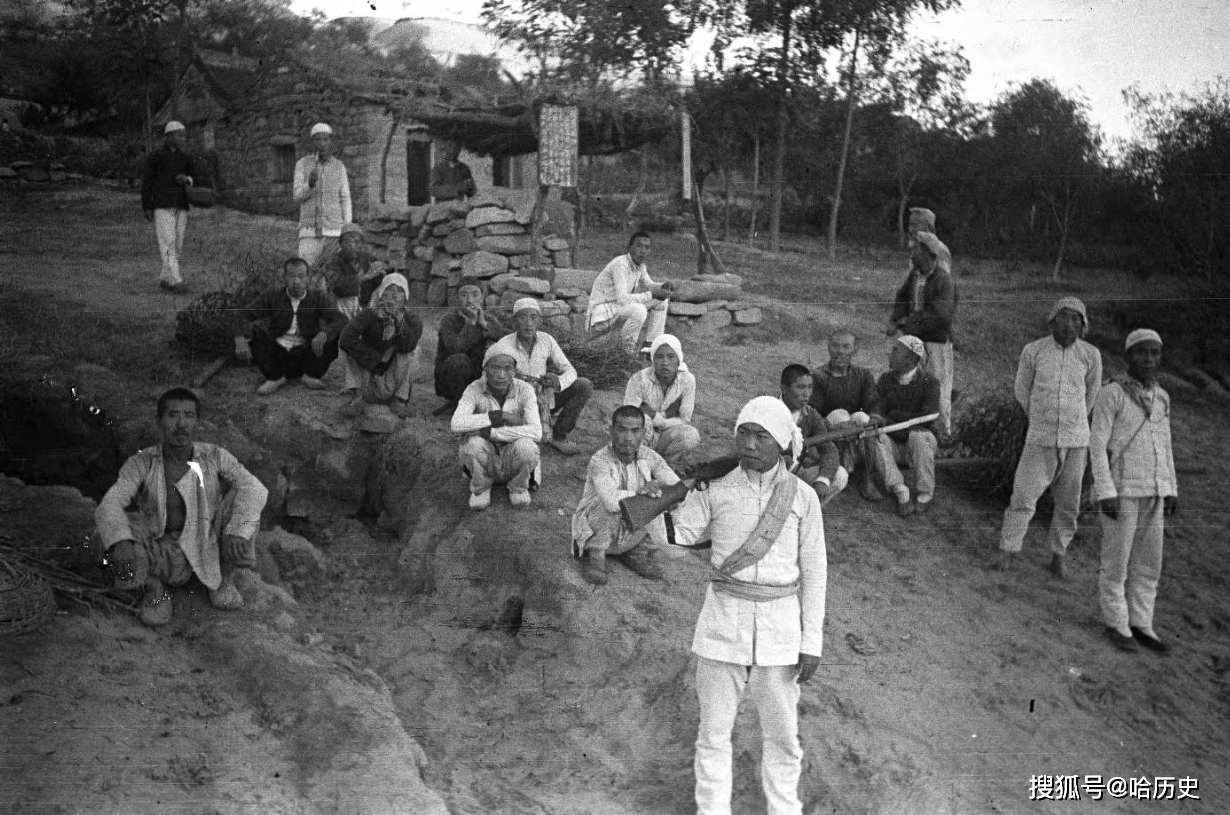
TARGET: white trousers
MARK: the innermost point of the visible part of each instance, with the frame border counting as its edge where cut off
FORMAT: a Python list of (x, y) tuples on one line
[(380, 389), (635, 317), (775, 694), (510, 464), (1059, 469), (170, 225), (939, 365), (1131, 563), (918, 452)]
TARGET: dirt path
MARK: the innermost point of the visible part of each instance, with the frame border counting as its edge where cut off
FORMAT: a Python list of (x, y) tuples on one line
[(944, 688)]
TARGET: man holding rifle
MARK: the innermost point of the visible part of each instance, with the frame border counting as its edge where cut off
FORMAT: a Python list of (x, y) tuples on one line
[(623, 468), (761, 627)]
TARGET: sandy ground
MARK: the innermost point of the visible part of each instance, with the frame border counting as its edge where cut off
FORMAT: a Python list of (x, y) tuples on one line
[(473, 651)]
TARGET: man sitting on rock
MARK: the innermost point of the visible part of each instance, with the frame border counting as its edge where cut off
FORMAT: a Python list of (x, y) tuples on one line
[(197, 510), (499, 416), (380, 344), (908, 391), (845, 394), (623, 468), (666, 393), (462, 341), (625, 291), (562, 394), (351, 273), (819, 465), (290, 332)]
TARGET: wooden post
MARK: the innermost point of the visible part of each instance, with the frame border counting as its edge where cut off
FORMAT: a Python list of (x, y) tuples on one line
[(540, 204), (685, 130)]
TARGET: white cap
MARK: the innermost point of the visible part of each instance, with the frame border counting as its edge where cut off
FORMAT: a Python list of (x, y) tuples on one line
[(526, 304), (174, 127), (321, 127)]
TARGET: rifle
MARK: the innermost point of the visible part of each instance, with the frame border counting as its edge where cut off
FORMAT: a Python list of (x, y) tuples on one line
[(638, 510)]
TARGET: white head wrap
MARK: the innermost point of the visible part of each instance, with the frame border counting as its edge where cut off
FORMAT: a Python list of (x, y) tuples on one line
[(772, 414), (174, 127), (495, 351), (393, 279), (321, 127), (673, 342), (1141, 335), (943, 257), (917, 346), (526, 304)]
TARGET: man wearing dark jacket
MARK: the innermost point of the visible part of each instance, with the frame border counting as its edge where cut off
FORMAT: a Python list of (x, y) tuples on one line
[(924, 307), (907, 391), (462, 340), (290, 332), (169, 172)]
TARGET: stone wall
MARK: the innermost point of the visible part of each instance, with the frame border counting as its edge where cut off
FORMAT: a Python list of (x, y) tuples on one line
[(486, 237)]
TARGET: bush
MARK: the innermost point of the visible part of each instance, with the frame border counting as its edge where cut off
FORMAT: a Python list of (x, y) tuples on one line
[(991, 426)]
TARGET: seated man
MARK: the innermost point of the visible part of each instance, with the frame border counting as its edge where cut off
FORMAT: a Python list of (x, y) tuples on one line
[(463, 339), (498, 414), (907, 392), (380, 344), (562, 394), (666, 393), (197, 510), (350, 273), (818, 464), (289, 331), (623, 468), (845, 394), (624, 291)]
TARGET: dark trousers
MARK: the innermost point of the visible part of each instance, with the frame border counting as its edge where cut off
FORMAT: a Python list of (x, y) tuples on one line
[(568, 407), (276, 362), (454, 374)]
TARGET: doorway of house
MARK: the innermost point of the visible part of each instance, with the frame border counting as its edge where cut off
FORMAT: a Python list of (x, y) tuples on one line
[(418, 171)]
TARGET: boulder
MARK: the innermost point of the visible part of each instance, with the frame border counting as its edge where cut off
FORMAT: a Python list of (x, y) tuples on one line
[(418, 292), (417, 269), (559, 325), (698, 291), (582, 279), (437, 292), (499, 283), (505, 244), (439, 266), (438, 213), (679, 309), (33, 174), (555, 244), (396, 243), (555, 308), (442, 229), (297, 559), (417, 216), (483, 264), (726, 278), (747, 316), (425, 253), (567, 292), (499, 229), (712, 320), (529, 285), (484, 199), (510, 297), (562, 258), (460, 242), (716, 304), (489, 215)]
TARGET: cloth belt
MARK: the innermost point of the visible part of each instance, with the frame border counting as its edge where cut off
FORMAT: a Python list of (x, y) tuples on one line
[(757, 545)]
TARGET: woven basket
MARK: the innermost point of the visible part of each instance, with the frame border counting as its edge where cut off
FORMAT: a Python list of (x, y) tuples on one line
[(26, 600)]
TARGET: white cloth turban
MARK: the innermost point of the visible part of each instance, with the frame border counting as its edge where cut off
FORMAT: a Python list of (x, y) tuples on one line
[(772, 414)]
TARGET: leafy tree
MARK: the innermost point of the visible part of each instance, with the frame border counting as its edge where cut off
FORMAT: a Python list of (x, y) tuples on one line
[(1046, 140), (591, 40), (1184, 156)]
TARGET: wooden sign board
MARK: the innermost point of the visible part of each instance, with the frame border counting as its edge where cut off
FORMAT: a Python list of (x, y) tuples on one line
[(558, 140)]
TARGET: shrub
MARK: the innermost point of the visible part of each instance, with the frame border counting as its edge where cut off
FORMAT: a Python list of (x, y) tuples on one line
[(991, 426)]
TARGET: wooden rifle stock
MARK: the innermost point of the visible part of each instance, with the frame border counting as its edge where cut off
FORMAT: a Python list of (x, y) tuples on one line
[(638, 510)]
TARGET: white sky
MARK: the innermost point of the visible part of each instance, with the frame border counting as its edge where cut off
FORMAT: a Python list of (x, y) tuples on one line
[(1094, 48)]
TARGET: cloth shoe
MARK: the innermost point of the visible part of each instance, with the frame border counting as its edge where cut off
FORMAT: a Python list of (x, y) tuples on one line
[(641, 559), (905, 508), (1123, 643), (226, 597), (480, 500), (312, 383), (1149, 641), (593, 567), (270, 386), (565, 447), (156, 607), (519, 498)]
